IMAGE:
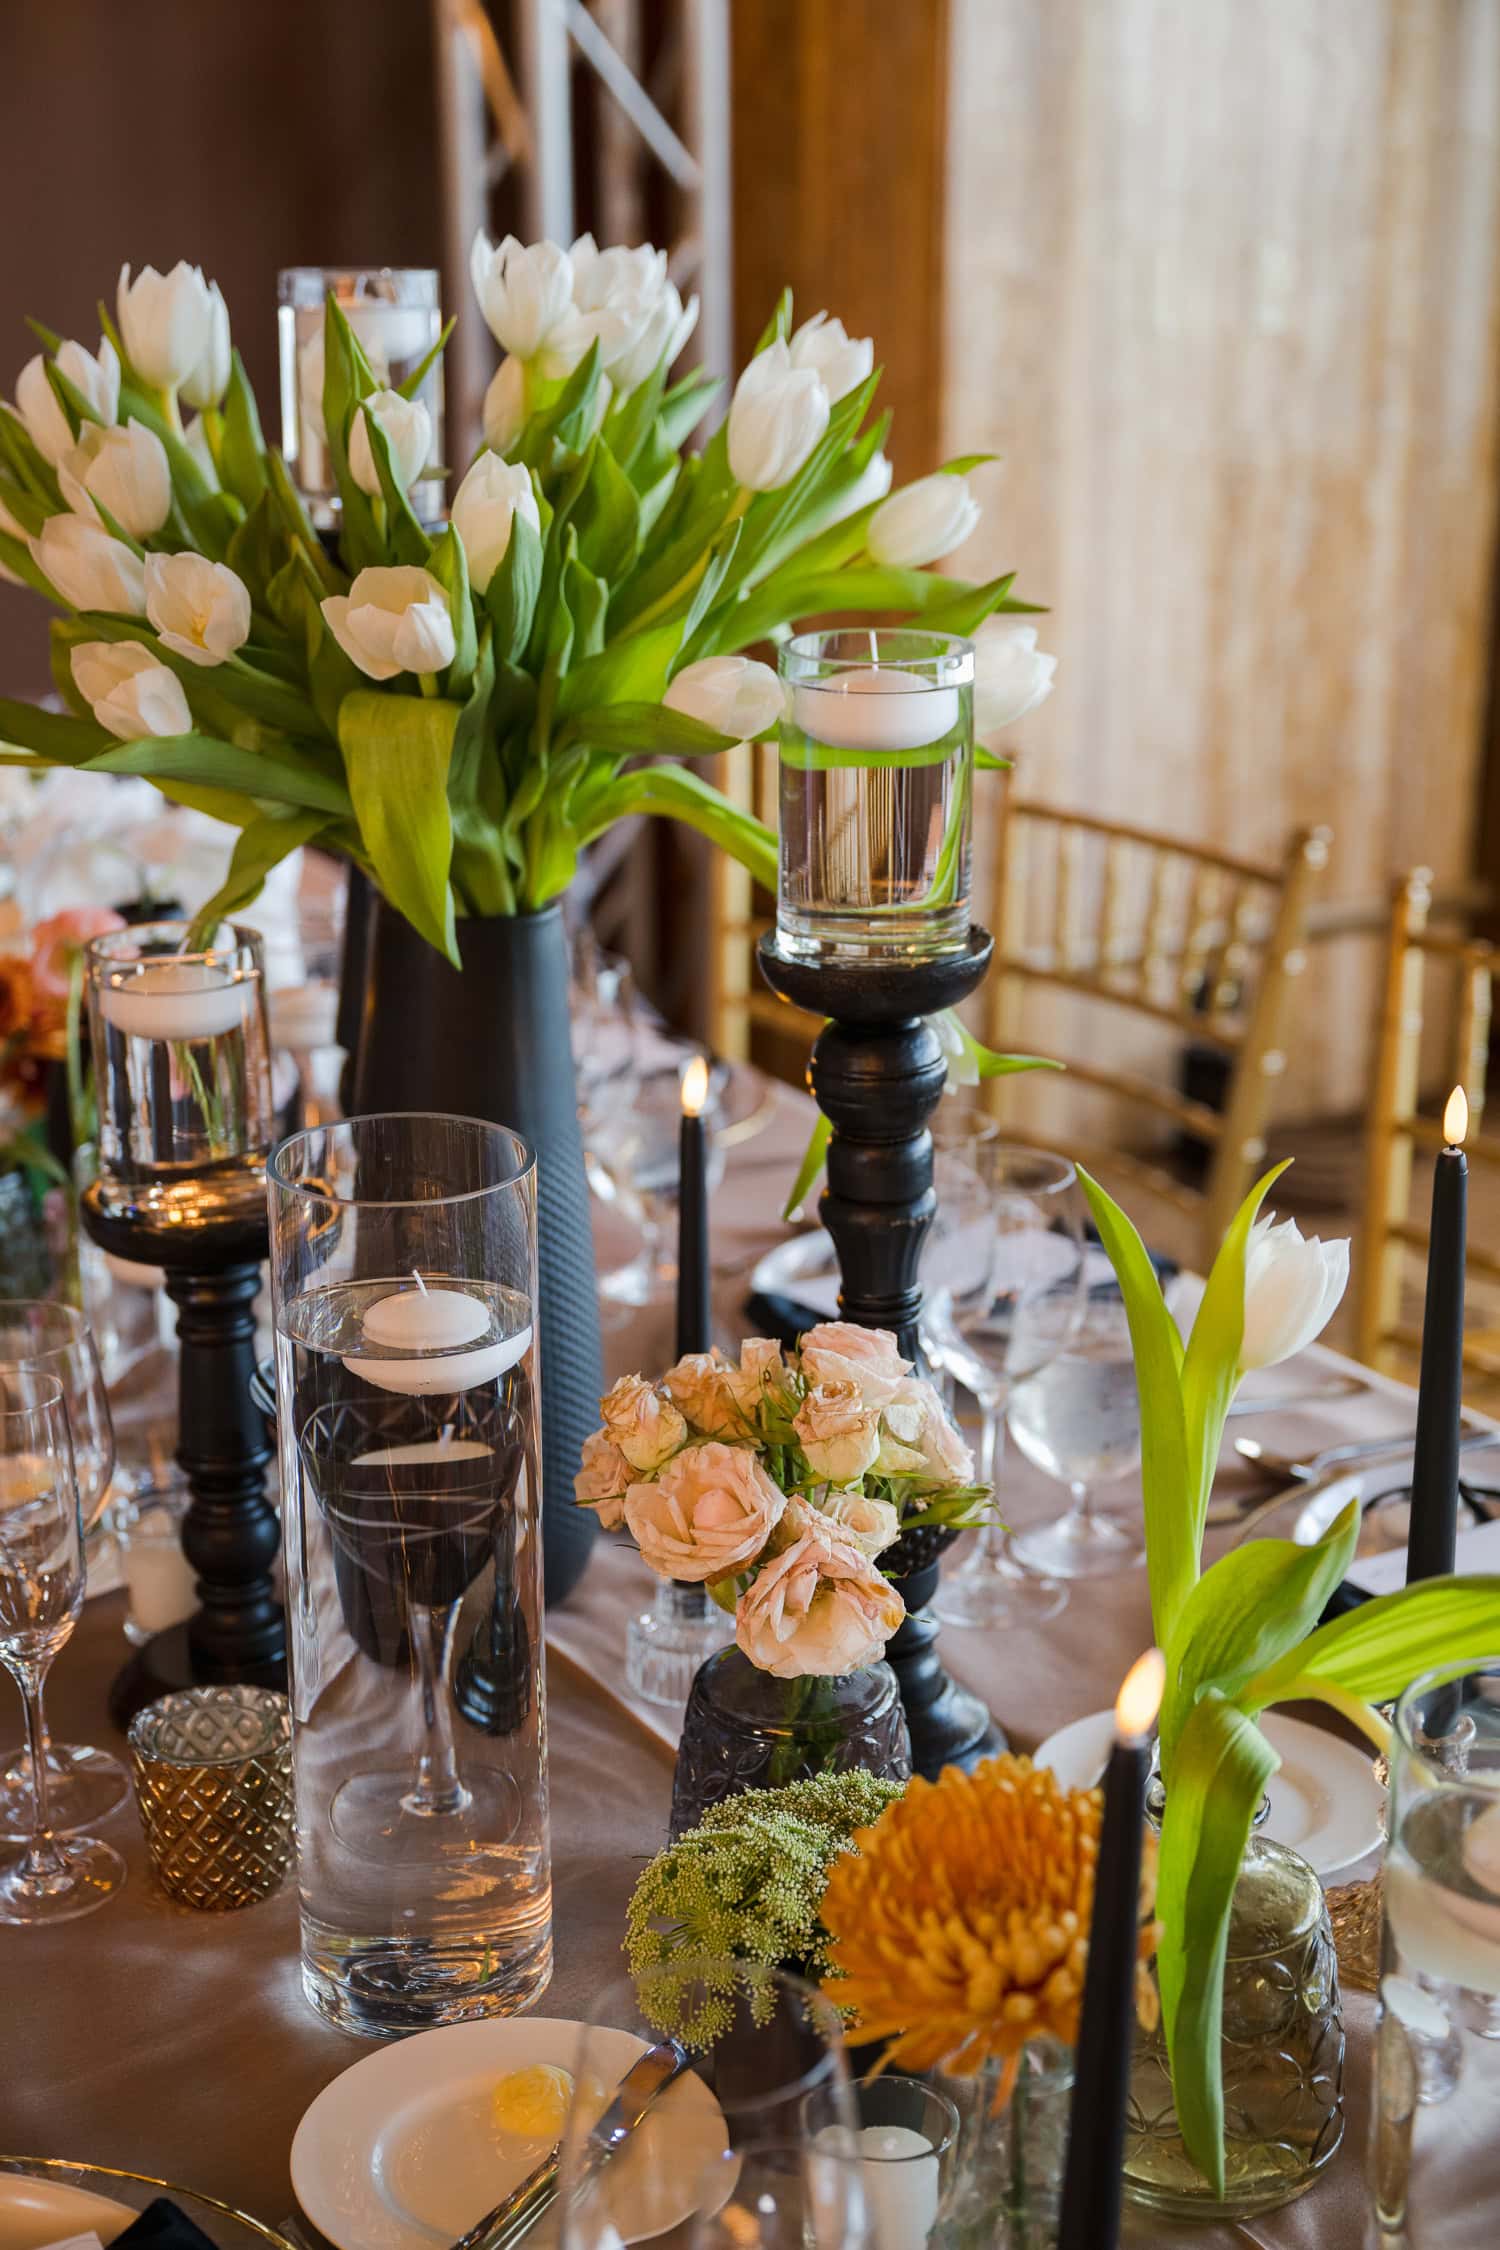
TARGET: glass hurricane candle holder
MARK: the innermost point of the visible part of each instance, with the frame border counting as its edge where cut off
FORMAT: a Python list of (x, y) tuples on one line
[(397, 319), (404, 1278), (876, 795), (213, 1785)]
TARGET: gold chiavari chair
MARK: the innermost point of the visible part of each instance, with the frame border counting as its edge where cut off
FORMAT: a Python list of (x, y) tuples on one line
[(1387, 1311), (1121, 923)]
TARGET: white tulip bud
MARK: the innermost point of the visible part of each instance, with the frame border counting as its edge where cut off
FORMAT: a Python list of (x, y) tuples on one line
[(89, 569), (733, 694), (778, 414), (12, 530), (98, 380), (408, 428), (129, 693), (195, 438), (658, 328), (125, 468), (610, 277), (872, 484), (1011, 675), (841, 360), (922, 522), (485, 507), (208, 380), (200, 608), (393, 620), (505, 405), (1293, 1284), (523, 293), (166, 320)]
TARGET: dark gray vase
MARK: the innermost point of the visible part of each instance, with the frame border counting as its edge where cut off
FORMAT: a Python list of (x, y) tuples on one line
[(493, 1042)]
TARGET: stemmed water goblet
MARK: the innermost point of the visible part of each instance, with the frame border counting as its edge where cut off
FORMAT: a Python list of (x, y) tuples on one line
[(84, 1784), (1031, 1213), (53, 1879), (1078, 1418)]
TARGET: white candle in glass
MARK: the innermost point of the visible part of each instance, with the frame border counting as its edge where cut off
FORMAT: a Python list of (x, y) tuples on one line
[(171, 999), (159, 1579), (425, 1454), (901, 2181), (433, 1322), (878, 709)]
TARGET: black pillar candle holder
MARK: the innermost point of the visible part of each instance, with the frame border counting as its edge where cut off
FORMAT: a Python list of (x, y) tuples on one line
[(877, 1074)]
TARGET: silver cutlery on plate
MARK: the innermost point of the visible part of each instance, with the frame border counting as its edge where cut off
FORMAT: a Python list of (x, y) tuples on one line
[(1287, 1470)]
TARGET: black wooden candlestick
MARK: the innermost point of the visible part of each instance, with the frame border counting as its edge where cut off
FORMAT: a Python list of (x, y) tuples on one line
[(877, 1075)]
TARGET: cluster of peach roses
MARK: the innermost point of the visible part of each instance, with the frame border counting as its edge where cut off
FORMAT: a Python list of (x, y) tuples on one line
[(778, 1481)]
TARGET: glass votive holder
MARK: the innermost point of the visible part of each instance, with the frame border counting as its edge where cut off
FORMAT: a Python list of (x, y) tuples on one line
[(876, 795), (908, 2152), (396, 317), (213, 1783), (160, 1586)]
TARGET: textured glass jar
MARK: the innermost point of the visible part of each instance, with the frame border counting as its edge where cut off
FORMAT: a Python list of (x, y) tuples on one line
[(1283, 2054), (1007, 2185), (746, 1729)]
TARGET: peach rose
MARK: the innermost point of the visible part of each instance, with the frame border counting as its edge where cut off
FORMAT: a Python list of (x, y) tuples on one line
[(645, 1426), (818, 1607), (603, 1479), (836, 1351), (870, 1525), (56, 942), (761, 1375), (699, 1387), (709, 1512), (917, 1419), (839, 1433)]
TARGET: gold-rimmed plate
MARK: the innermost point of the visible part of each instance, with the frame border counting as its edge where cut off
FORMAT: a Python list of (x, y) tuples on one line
[(45, 2199)]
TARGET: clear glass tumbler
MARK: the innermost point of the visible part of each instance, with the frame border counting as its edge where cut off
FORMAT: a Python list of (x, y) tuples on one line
[(876, 800), (397, 318), (404, 1277), (1437, 2075)]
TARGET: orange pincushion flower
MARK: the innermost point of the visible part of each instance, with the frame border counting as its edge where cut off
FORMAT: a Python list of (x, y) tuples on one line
[(959, 1921)]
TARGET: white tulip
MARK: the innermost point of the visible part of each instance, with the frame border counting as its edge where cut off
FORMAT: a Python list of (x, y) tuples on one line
[(872, 484), (206, 382), (505, 405), (408, 428), (98, 380), (625, 301), (124, 468), (1011, 675), (843, 361), (393, 620), (12, 530), (523, 293), (200, 608), (129, 693), (922, 522), (777, 416), (166, 322), (195, 438), (657, 330), (734, 694), (89, 569), (610, 277), (485, 507), (1293, 1284)]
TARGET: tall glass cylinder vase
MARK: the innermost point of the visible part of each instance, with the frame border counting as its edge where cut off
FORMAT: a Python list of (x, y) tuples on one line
[(876, 796), (404, 1272), (397, 319)]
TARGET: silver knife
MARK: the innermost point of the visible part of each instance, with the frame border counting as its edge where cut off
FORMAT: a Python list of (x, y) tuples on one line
[(649, 2075)]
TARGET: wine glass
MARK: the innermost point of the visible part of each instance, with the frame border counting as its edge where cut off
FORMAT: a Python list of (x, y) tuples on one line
[(1078, 1418), (84, 1784), (631, 1139), (41, 1593), (1034, 1236), (755, 2133)]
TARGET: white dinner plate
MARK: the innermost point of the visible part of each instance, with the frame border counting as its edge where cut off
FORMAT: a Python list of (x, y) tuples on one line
[(1325, 1800), (401, 2152), (35, 2212), (804, 1268)]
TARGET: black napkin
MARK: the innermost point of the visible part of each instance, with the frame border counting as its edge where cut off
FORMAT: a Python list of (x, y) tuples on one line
[(161, 2226)]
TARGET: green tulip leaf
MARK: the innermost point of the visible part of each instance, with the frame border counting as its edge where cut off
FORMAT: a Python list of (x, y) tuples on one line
[(813, 1159), (419, 374), (263, 844), (511, 595), (397, 750), (449, 566), (1373, 1653), (56, 740), (281, 776), (1211, 1366), (241, 454)]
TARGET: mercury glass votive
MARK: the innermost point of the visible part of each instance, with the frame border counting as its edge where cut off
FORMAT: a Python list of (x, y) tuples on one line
[(396, 317), (876, 795), (213, 1783)]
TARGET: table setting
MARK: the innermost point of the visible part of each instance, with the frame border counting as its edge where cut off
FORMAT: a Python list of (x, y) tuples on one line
[(624, 1723)]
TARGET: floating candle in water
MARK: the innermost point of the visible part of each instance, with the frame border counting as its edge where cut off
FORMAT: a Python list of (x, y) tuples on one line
[(875, 710), (426, 1320), (434, 1322), (171, 999), (428, 1452)]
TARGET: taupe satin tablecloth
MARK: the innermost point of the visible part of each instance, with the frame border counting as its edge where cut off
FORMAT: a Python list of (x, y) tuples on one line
[(179, 2043)]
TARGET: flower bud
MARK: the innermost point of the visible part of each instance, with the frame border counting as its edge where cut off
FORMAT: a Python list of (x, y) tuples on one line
[(408, 429), (393, 620), (128, 691), (1011, 675), (200, 608), (733, 694), (89, 569), (124, 468), (523, 293), (778, 414), (166, 322), (841, 360), (98, 380), (485, 507), (1293, 1284), (922, 522), (208, 380), (505, 405)]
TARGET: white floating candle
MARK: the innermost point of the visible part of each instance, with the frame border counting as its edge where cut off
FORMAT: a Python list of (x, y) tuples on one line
[(426, 1453), (174, 1000), (435, 1323), (158, 1576), (875, 710), (426, 1320)]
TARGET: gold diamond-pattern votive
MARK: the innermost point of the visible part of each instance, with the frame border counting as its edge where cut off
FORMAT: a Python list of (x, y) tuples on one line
[(213, 1783)]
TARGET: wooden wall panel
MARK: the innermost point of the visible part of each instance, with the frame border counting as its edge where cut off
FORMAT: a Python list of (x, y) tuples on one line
[(1221, 283)]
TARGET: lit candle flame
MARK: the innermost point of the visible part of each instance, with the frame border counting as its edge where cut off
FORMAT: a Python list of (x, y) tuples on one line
[(695, 1087), (1456, 1118), (1140, 1697)]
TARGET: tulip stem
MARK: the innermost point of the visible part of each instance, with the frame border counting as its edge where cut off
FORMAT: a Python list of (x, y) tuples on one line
[(428, 683)]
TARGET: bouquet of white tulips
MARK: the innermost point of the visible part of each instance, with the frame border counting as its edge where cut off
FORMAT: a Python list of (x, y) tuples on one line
[(458, 712)]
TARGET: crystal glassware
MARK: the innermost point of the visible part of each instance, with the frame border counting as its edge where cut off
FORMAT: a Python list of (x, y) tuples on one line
[(632, 1138), (397, 319), (85, 1785), (404, 1278), (906, 2149), (876, 794), (53, 1879), (1029, 1218), (737, 2150), (1012, 2150), (666, 1644), (213, 1784), (1078, 1418), (1437, 2069)]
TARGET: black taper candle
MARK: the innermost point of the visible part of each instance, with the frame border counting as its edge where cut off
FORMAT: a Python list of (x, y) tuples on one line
[(1094, 2179), (694, 1320), (1433, 1530)]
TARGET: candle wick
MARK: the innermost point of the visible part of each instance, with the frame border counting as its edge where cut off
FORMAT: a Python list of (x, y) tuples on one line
[(417, 1278)]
